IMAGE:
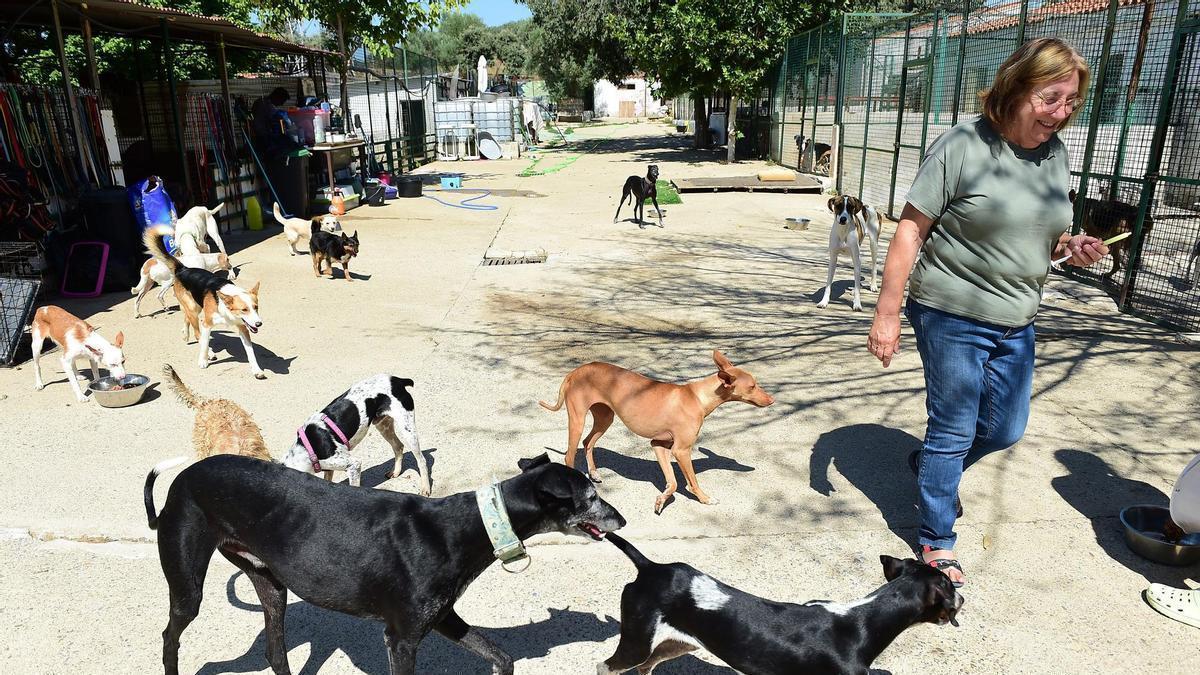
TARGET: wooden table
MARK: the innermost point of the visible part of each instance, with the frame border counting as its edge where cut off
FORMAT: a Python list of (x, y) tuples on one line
[(329, 148)]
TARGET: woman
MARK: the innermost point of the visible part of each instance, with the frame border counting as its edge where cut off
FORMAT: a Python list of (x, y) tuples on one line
[(988, 211)]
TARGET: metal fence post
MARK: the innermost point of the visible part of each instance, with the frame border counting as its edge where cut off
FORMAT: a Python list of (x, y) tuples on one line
[(1131, 95), (1157, 148), (783, 102), (1023, 19), (962, 57), (169, 66), (835, 169), (1094, 119), (900, 115)]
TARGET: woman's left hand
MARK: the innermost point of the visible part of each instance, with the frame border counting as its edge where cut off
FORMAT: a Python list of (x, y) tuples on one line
[(1084, 250)]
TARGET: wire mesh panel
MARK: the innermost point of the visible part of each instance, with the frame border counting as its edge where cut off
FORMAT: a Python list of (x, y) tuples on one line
[(1165, 282)]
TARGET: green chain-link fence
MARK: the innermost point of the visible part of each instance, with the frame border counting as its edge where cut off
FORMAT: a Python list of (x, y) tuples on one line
[(861, 97)]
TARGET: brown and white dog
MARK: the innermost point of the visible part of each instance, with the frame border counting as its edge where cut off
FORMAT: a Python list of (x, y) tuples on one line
[(76, 338), (853, 221), (296, 229), (155, 273), (191, 228), (209, 302)]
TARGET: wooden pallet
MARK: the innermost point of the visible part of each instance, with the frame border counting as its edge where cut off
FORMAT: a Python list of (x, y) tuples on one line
[(747, 184)]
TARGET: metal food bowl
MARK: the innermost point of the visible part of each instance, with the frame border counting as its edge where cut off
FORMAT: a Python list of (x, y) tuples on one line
[(797, 223), (133, 387), (1144, 534)]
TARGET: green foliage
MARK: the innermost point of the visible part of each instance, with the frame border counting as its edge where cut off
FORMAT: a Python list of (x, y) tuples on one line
[(706, 46), (460, 39), (378, 24), (575, 45)]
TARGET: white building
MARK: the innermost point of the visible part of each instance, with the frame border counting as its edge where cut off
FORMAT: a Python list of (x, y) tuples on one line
[(634, 97)]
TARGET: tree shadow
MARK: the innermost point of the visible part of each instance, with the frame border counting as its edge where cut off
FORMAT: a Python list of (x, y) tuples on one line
[(1095, 490), (361, 640), (874, 458)]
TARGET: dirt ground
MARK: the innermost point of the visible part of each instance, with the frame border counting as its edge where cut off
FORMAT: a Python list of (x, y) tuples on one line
[(811, 490)]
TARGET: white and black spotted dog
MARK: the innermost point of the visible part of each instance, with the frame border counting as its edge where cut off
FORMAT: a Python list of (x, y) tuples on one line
[(324, 441)]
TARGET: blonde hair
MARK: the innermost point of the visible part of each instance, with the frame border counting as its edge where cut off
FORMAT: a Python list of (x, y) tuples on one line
[(1037, 62)]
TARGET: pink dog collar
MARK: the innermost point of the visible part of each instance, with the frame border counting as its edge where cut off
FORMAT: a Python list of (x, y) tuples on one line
[(312, 455)]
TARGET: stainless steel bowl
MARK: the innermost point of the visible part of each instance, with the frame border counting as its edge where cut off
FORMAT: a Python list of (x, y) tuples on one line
[(133, 387), (1144, 534)]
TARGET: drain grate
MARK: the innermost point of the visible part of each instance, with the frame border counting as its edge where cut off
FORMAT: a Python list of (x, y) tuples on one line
[(491, 262), (501, 257)]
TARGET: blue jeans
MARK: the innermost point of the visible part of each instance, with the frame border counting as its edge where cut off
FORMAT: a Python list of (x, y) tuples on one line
[(978, 380)]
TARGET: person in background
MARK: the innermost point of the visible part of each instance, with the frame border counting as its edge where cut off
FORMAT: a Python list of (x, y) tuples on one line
[(988, 211), (265, 116)]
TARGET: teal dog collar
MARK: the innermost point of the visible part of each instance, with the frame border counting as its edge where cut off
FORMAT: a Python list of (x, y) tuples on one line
[(506, 546)]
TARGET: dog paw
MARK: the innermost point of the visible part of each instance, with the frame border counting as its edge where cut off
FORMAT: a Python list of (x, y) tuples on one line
[(857, 307), (594, 477), (660, 503), (823, 304), (260, 375), (708, 501), (39, 386)]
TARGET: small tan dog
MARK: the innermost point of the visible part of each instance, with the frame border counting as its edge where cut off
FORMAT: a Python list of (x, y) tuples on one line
[(222, 427), (76, 338), (670, 415), (296, 229)]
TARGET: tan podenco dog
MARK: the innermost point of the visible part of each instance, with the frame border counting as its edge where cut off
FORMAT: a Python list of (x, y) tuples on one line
[(670, 415), (76, 338)]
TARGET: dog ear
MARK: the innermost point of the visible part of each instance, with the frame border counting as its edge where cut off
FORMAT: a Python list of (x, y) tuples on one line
[(354, 236), (1071, 194), (722, 362), (119, 340), (829, 204), (854, 204), (892, 567), (727, 378), (526, 464), (254, 291)]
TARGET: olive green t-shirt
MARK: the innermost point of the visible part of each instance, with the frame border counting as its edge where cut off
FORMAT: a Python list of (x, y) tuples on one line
[(998, 212)]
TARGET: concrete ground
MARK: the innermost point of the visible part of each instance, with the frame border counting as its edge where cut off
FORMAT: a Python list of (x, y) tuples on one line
[(811, 490)]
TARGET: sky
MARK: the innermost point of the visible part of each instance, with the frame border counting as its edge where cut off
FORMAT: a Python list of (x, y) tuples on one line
[(496, 12)]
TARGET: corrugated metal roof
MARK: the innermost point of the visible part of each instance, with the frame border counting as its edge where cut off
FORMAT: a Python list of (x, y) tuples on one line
[(132, 17)]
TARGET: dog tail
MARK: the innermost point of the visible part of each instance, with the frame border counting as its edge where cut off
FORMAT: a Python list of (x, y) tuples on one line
[(151, 516), (562, 396), (279, 217), (153, 239), (627, 548), (181, 390)]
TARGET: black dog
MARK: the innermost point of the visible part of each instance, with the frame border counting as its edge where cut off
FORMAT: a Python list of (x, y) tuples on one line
[(670, 610), (326, 247), (641, 188), (393, 557)]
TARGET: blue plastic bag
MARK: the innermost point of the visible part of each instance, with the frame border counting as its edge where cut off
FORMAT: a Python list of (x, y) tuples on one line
[(153, 206)]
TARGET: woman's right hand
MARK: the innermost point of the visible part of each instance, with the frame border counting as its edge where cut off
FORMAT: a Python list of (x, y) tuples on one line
[(884, 339)]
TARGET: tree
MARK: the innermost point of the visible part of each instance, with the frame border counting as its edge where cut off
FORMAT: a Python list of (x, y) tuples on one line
[(707, 46), (445, 43), (575, 45)]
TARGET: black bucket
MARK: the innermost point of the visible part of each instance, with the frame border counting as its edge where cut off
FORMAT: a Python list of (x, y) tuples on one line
[(407, 186), (375, 194)]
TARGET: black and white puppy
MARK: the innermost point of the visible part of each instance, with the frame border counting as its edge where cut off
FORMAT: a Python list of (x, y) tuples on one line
[(326, 248), (331, 433), (393, 557), (853, 221), (640, 188), (670, 610)]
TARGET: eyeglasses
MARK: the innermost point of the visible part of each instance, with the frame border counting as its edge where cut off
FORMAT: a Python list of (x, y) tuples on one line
[(1052, 102)]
